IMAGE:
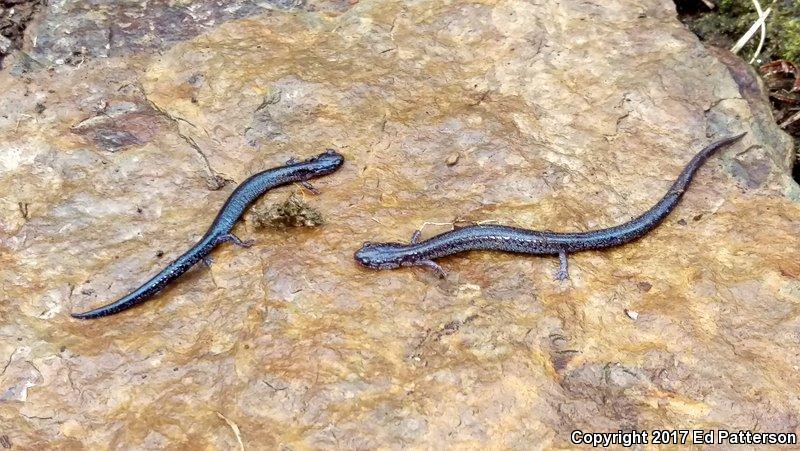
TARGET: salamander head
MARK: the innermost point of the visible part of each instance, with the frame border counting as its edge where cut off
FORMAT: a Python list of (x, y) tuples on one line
[(381, 255), (324, 163)]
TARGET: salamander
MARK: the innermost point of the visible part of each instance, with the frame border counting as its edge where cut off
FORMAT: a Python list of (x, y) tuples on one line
[(220, 230), (524, 241)]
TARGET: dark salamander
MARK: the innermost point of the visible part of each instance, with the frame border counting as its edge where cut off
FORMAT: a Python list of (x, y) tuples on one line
[(523, 241), (220, 230)]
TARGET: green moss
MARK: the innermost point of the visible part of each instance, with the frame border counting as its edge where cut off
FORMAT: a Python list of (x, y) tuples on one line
[(791, 46), (734, 17)]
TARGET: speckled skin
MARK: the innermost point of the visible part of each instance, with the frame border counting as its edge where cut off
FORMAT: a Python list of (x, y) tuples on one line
[(523, 241), (220, 230)]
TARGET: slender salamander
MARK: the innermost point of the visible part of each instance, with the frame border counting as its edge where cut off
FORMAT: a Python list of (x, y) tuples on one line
[(523, 241), (220, 230)]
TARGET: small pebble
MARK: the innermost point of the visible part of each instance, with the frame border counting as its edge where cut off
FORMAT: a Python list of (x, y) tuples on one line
[(644, 286), (632, 314), (452, 159), (5, 45)]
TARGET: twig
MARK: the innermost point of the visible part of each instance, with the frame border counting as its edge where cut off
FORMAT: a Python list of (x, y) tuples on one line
[(792, 119), (758, 24), (235, 429), (425, 224), (763, 29)]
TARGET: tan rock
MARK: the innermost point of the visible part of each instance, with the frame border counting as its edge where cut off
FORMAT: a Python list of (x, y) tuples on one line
[(566, 116)]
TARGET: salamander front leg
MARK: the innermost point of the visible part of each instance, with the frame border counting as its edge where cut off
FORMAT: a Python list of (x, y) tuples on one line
[(208, 261), (430, 264), (415, 237), (235, 240), (563, 270), (307, 185)]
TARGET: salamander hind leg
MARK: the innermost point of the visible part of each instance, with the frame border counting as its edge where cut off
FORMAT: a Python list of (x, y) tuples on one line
[(415, 236), (235, 240), (563, 269)]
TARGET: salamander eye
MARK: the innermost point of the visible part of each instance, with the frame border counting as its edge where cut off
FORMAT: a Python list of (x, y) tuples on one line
[(366, 244)]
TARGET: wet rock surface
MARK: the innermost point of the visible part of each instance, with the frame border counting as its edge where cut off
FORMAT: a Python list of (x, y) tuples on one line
[(563, 116)]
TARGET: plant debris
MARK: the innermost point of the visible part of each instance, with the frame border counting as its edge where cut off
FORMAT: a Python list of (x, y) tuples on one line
[(294, 212), (731, 19), (780, 72), (783, 84), (235, 428), (724, 25)]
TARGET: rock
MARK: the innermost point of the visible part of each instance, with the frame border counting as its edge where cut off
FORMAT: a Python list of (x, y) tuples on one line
[(15, 15), (23, 64), (567, 116), (5, 45), (73, 31), (452, 159)]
